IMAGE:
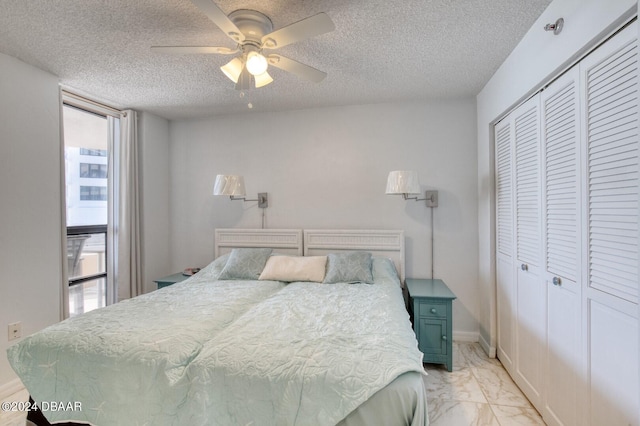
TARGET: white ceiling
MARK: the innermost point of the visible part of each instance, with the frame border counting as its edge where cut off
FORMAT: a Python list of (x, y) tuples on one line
[(381, 50)]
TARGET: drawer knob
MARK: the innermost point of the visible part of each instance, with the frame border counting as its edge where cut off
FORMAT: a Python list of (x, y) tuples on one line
[(444, 337), (557, 281), (433, 311)]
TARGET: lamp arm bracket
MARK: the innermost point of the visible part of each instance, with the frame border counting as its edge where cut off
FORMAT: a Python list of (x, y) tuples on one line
[(431, 198), (263, 199)]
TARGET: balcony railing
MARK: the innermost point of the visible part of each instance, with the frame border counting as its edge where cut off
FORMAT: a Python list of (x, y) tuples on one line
[(87, 267)]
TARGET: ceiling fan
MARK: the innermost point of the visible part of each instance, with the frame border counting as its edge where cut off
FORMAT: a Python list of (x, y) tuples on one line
[(253, 32)]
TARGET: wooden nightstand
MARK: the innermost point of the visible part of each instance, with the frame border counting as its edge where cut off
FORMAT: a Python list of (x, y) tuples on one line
[(430, 307), (171, 279)]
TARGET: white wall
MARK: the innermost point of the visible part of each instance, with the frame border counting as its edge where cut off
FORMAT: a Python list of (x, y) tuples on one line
[(154, 182), (327, 168), (538, 56), (30, 211)]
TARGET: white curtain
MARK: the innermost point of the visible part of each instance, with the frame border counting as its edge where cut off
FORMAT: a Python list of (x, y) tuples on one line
[(124, 206)]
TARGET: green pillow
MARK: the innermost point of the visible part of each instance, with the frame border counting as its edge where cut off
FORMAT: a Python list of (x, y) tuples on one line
[(349, 267), (212, 271), (245, 264)]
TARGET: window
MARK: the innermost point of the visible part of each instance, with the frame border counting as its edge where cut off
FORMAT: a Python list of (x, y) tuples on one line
[(89, 135)]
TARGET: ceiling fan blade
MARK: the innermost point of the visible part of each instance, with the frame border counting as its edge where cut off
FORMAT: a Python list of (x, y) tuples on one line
[(297, 68), (213, 12), (263, 79), (309, 27), (194, 49)]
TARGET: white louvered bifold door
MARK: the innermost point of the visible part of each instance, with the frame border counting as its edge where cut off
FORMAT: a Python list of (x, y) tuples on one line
[(609, 80), (567, 240), (530, 289), (505, 276), (562, 247)]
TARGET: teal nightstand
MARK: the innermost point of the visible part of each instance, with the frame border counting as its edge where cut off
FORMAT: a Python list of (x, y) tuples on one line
[(430, 308), (171, 279)]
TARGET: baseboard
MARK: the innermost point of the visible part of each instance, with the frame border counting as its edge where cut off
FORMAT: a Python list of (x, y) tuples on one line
[(489, 350), (10, 388), (466, 336)]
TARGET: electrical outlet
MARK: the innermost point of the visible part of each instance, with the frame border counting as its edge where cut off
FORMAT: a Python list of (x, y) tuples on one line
[(15, 330)]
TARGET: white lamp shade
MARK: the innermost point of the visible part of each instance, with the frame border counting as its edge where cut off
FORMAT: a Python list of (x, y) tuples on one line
[(229, 185), (403, 182)]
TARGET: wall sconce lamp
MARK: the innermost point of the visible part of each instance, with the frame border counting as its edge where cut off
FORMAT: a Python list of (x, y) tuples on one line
[(233, 186), (406, 182)]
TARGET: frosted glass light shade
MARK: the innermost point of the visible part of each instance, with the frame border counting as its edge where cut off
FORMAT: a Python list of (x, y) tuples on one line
[(256, 63), (263, 79), (233, 68), (403, 182), (229, 185)]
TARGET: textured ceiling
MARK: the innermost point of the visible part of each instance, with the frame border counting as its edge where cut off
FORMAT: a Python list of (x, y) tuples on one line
[(381, 50)]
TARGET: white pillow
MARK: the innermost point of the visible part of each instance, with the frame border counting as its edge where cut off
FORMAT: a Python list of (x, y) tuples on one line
[(294, 268)]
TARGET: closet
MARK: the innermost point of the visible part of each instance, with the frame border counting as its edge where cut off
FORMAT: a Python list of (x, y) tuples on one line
[(567, 208)]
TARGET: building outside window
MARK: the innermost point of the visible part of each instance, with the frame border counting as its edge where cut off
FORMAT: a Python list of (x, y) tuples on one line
[(86, 185)]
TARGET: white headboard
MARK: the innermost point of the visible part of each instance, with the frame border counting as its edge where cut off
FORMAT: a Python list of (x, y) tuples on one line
[(381, 243), (285, 241)]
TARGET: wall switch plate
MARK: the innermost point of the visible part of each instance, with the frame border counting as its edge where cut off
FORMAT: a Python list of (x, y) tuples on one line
[(15, 330)]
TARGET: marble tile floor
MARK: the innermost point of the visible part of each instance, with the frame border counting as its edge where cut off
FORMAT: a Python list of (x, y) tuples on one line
[(477, 392), (15, 418)]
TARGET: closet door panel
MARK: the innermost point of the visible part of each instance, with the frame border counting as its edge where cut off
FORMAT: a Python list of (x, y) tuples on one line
[(613, 370), (526, 123), (504, 188), (505, 242), (530, 336), (562, 241), (609, 80), (564, 375), (530, 291), (610, 77)]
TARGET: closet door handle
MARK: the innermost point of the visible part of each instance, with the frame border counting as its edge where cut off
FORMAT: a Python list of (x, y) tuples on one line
[(557, 281), (524, 267)]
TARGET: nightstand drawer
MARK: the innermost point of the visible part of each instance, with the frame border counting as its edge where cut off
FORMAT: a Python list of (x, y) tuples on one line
[(428, 309)]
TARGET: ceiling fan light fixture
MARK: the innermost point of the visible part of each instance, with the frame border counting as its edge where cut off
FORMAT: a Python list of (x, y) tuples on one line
[(233, 68), (256, 63), (252, 31)]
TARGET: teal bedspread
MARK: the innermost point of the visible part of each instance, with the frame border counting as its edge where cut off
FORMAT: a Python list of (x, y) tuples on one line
[(206, 352)]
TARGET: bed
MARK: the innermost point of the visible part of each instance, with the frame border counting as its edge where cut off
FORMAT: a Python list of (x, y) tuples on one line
[(225, 348)]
